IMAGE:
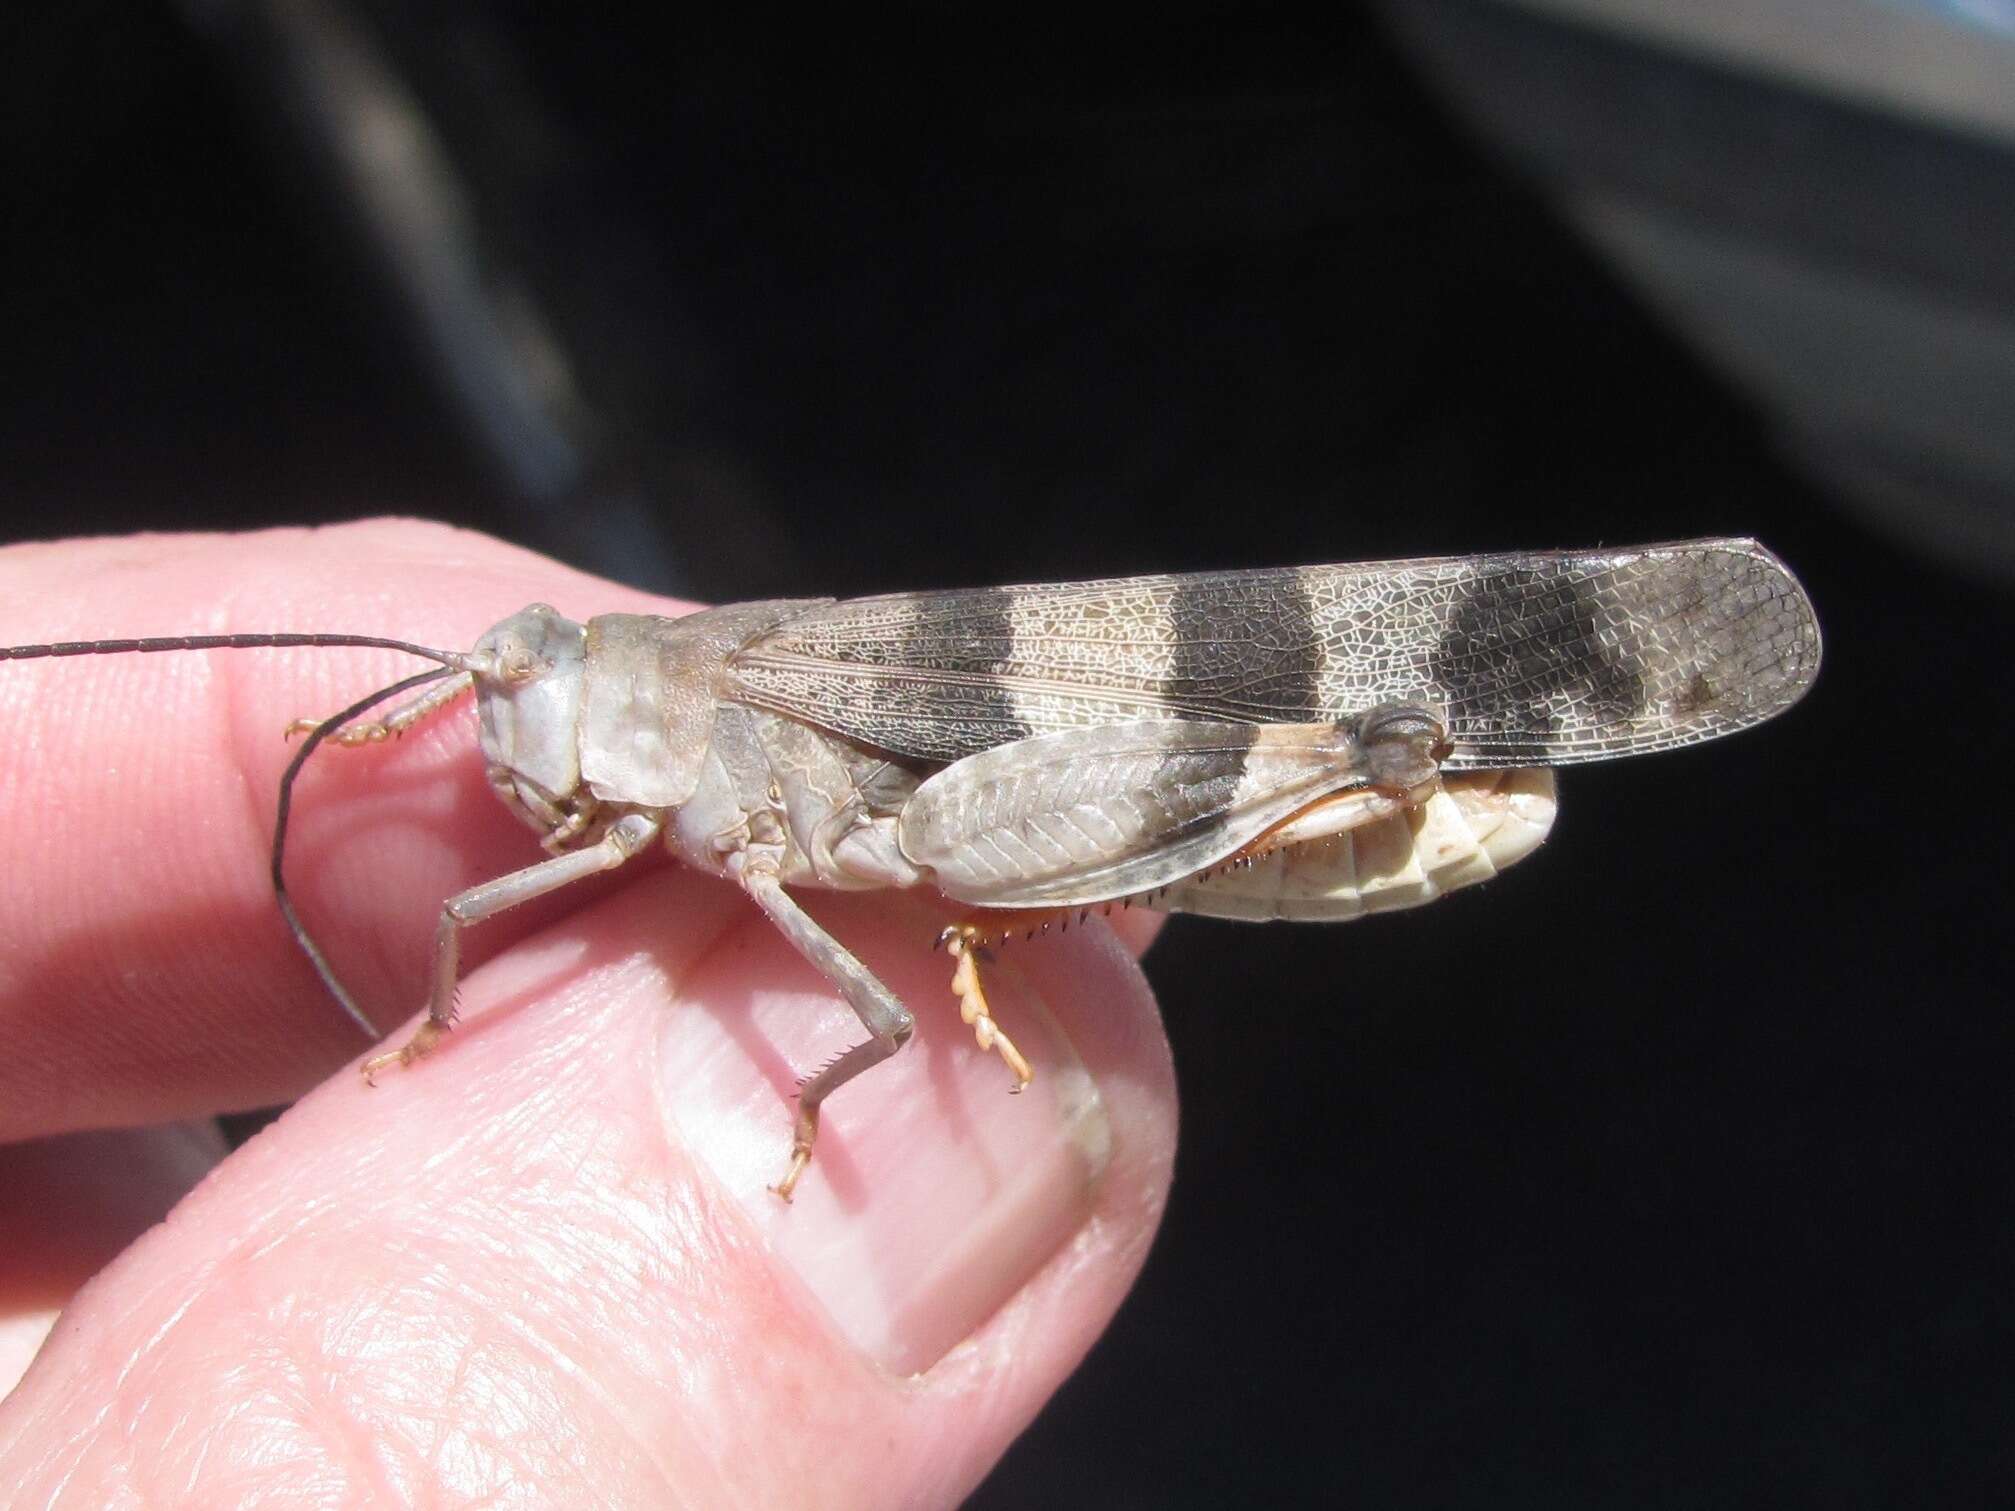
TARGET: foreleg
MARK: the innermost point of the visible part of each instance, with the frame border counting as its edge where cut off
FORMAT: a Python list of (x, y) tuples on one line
[(626, 837)]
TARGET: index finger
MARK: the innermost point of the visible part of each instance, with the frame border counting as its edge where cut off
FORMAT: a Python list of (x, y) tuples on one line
[(147, 974)]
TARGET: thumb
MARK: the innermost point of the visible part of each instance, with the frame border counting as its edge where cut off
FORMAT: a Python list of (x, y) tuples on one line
[(542, 1266)]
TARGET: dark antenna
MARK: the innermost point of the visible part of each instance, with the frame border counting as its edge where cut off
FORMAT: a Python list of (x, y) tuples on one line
[(451, 659), (302, 937), (452, 664)]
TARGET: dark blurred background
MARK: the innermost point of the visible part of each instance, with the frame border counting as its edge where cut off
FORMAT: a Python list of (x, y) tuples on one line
[(1674, 1168)]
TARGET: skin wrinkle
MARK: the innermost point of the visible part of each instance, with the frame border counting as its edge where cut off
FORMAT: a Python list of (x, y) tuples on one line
[(332, 1425), (232, 718), (67, 1476), (654, 1253), (477, 1390), (545, 1349), (198, 1470), (217, 713), (143, 1354), (648, 1448), (291, 1224), (53, 803)]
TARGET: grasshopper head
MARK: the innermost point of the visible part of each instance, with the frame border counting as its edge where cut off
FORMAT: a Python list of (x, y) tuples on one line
[(529, 673)]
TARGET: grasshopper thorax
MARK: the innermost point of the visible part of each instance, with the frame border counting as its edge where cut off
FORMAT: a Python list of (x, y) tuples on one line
[(529, 675)]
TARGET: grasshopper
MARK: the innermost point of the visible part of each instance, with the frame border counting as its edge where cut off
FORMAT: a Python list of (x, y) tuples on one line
[(1303, 743)]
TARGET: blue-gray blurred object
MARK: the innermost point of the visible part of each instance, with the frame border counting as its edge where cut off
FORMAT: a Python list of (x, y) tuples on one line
[(1819, 194), (336, 109)]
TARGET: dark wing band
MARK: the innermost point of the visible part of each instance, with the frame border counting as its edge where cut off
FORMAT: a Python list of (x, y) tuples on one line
[(1534, 659)]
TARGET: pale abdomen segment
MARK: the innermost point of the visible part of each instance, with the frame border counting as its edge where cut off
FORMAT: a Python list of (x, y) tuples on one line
[(1474, 825)]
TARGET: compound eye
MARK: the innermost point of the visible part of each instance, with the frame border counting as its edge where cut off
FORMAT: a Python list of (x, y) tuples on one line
[(518, 666)]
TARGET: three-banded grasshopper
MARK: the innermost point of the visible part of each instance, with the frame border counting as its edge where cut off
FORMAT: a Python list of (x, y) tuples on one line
[(1306, 743)]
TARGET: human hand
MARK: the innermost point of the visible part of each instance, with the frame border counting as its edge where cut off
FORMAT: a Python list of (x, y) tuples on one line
[(541, 1266)]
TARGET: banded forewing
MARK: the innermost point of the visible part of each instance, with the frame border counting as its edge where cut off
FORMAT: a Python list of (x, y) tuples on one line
[(1532, 659)]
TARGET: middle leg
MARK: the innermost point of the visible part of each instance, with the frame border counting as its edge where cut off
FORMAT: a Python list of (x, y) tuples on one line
[(882, 1014)]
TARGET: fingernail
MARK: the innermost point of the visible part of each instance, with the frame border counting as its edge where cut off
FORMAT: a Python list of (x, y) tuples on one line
[(933, 1194)]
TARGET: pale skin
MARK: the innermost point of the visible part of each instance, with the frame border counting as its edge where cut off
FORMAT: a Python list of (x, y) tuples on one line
[(508, 1274)]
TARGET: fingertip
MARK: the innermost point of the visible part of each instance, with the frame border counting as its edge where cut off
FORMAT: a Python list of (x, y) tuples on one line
[(1136, 928), (935, 1196), (566, 1208)]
